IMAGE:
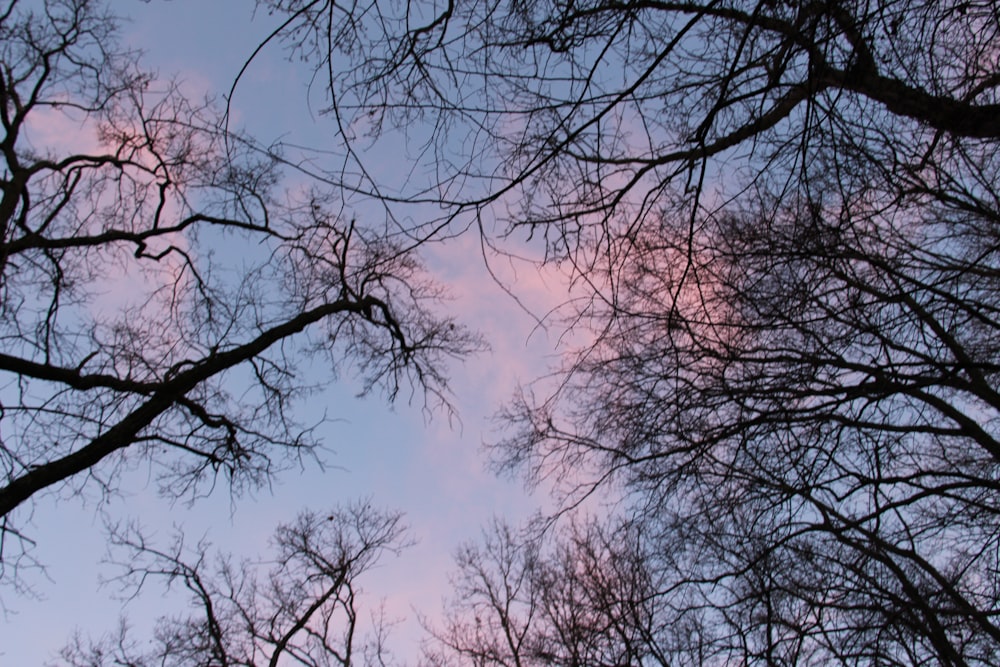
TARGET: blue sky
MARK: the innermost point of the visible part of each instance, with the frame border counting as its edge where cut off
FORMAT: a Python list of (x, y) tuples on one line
[(433, 470)]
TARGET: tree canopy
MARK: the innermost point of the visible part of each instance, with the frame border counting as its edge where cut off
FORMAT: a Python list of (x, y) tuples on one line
[(782, 219), (780, 222), (128, 338)]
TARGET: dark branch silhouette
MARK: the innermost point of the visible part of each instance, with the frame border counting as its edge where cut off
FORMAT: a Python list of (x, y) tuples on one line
[(780, 220), (160, 288), (300, 605)]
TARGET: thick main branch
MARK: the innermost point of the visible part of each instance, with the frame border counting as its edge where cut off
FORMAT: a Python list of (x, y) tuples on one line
[(125, 432)]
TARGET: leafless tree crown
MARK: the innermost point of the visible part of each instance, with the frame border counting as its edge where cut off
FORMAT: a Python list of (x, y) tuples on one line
[(783, 217), (301, 607), (159, 285)]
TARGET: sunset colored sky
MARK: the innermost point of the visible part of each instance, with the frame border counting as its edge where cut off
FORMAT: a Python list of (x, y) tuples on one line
[(430, 468)]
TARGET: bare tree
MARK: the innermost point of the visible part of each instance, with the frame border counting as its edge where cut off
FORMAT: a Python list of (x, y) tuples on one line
[(159, 286), (587, 596), (495, 610), (783, 217), (305, 609)]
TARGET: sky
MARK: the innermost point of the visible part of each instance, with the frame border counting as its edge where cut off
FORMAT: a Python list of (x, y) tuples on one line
[(432, 469)]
